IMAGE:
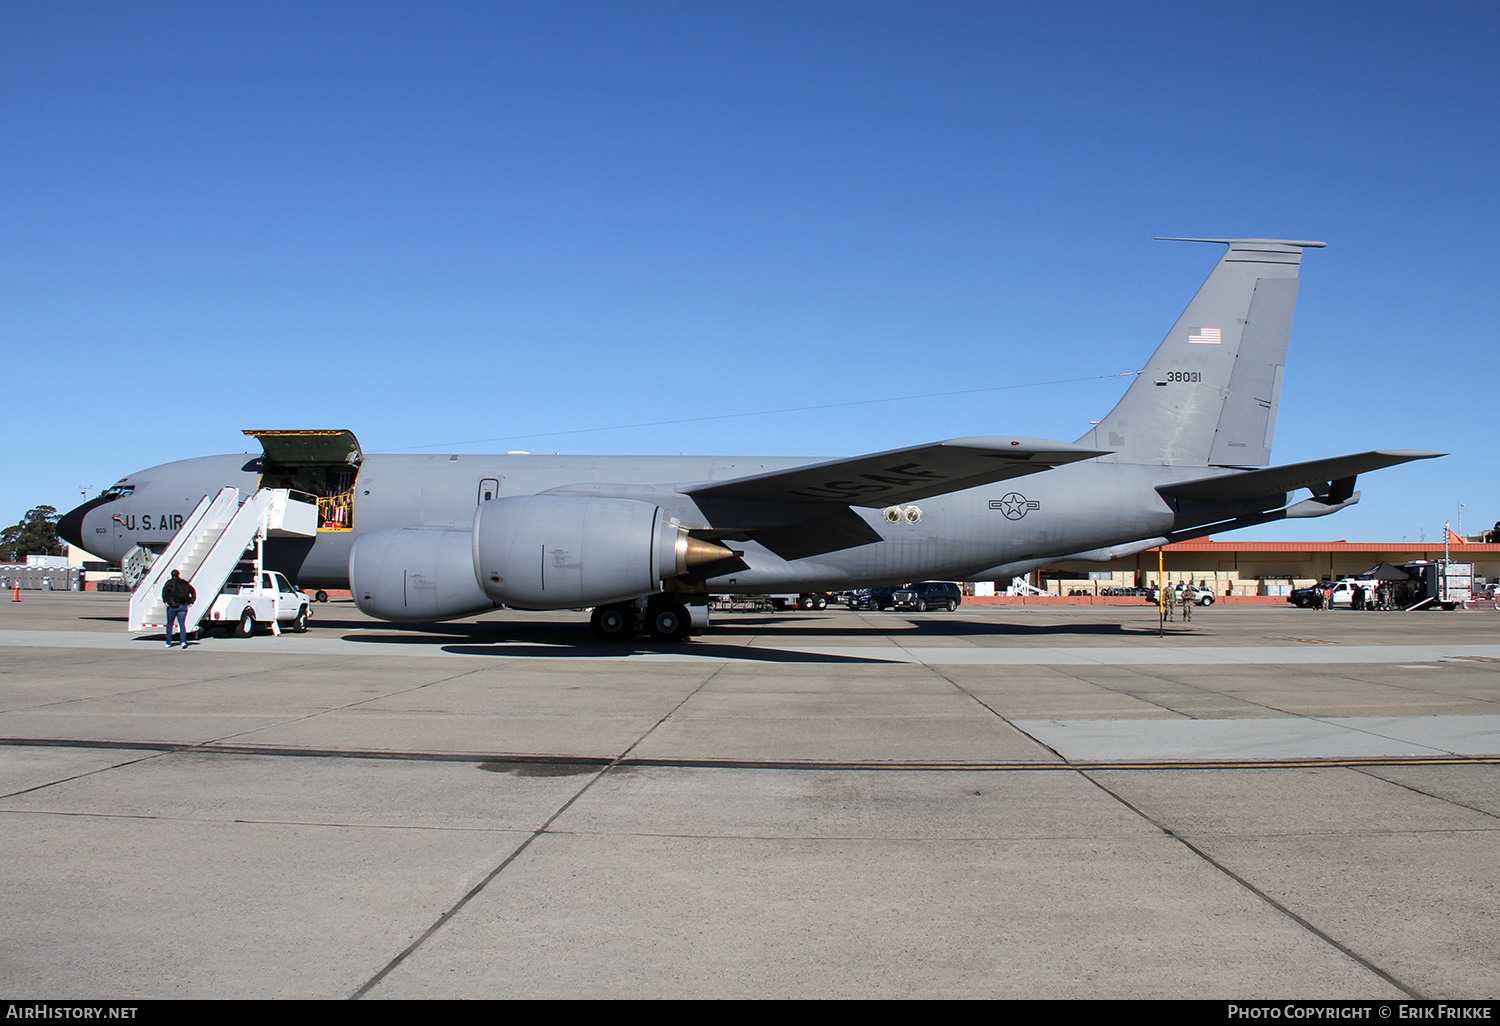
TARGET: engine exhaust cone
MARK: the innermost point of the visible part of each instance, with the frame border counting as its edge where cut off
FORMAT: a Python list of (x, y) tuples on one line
[(693, 552)]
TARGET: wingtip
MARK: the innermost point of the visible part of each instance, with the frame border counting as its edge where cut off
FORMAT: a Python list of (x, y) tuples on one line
[(1298, 243)]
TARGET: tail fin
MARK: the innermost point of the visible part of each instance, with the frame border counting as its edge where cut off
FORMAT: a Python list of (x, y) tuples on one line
[(1208, 395)]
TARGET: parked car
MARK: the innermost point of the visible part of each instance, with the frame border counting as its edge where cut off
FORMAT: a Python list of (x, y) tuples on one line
[(1305, 598), (1200, 596), (872, 598), (1348, 593), (925, 595)]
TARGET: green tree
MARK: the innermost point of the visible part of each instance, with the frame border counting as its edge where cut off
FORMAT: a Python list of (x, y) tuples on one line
[(35, 535)]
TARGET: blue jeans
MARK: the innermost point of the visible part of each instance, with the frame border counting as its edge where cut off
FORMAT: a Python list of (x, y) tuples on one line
[(177, 614)]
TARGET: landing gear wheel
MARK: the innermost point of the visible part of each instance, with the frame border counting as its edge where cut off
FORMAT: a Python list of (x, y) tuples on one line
[(246, 626), (321, 596), (668, 622), (612, 623), (300, 624)]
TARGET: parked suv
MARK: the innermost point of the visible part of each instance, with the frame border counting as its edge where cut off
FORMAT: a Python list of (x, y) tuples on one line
[(1199, 596), (925, 595)]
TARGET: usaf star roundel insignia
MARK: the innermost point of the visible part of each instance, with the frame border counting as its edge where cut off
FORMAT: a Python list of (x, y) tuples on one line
[(1014, 505)]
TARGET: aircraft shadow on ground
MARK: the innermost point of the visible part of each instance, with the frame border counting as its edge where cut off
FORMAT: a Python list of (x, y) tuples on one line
[(737, 653), (579, 645), (927, 628), (573, 641)]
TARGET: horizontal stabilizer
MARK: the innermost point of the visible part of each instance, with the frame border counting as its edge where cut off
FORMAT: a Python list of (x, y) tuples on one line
[(1275, 481), (901, 475)]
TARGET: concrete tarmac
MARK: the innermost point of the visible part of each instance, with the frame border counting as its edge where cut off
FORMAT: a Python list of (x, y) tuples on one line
[(997, 802)]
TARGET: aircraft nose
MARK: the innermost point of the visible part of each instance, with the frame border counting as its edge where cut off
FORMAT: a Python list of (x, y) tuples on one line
[(70, 527)]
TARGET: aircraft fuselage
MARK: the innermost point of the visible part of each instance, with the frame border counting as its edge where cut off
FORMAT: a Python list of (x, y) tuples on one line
[(960, 534)]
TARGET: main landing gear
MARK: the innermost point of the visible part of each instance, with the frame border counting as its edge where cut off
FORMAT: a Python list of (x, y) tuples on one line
[(663, 619)]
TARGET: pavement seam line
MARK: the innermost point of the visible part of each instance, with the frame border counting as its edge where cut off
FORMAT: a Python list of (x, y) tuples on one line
[(1366, 770), (539, 831), (80, 776), (996, 713), (342, 708), (1262, 895)]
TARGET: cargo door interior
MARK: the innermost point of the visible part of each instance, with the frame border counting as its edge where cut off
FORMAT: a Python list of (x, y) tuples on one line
[(322, 464)]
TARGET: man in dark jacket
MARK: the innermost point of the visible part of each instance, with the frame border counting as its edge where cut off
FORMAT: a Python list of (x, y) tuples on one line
[(177, 595)]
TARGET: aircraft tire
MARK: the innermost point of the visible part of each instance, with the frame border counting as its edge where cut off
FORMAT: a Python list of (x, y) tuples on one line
[(612, 623), (668, 622), (246, 626), (321, 596)]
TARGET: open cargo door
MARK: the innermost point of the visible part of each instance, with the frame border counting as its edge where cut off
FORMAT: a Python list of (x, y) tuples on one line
[(324, 464)]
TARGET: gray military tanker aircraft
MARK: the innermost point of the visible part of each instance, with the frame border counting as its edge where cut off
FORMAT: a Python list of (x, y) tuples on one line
[(644, 539)]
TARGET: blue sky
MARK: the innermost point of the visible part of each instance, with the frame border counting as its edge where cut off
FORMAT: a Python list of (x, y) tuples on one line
[(453, 227)]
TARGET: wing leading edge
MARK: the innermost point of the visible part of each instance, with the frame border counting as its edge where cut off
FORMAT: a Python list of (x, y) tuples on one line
[(901, 475)]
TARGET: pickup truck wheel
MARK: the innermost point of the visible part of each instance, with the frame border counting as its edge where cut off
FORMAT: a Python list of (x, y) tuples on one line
[(300, 624), (246, 626)]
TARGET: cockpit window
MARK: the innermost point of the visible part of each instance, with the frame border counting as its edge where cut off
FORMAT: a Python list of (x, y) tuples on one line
[(117, 492)]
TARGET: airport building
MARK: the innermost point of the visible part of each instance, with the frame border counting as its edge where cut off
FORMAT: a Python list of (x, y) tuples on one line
[(1247, 568)]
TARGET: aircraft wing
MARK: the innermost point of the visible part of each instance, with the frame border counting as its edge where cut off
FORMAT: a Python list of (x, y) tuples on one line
[(901, 475), (1274, 481)]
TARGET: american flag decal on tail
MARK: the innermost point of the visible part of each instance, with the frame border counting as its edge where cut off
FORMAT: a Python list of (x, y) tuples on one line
[(1206, 336)]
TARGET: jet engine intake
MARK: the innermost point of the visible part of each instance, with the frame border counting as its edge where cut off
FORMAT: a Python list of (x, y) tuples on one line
[(416, 575)]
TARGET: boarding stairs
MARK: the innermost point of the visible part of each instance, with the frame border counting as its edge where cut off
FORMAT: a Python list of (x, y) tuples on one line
[(211, 544), (1021, 586)]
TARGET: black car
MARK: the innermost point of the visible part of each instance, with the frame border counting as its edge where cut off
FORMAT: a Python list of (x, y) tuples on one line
[(925, 595), (872, 598), (1307, 598)]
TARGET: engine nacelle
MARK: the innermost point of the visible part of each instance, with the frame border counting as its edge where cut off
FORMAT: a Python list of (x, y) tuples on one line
[(416, 574), (563, 552), (526, 551)]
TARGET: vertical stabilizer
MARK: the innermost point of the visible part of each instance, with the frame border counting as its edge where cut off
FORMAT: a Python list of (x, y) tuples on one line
[(1208, 395)]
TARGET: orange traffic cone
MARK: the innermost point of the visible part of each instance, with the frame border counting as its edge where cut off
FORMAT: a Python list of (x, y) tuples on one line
[(18, 592)]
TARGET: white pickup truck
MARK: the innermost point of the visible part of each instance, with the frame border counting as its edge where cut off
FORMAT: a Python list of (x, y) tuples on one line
[(258, 598)]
